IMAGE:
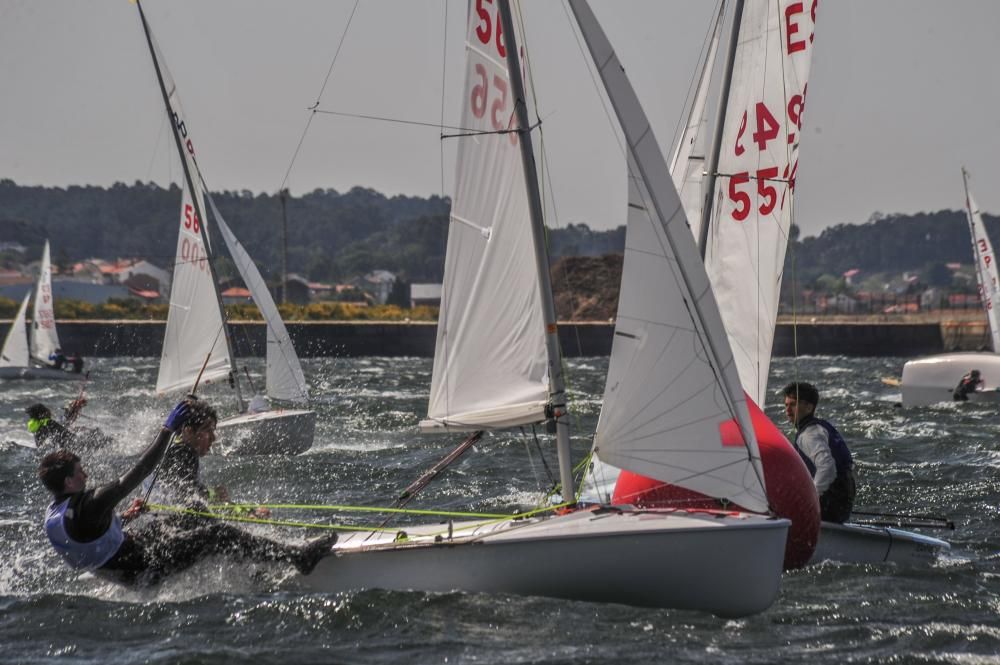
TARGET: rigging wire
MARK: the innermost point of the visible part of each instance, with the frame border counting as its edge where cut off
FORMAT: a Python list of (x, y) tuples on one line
[(444, 69), (329, 72)]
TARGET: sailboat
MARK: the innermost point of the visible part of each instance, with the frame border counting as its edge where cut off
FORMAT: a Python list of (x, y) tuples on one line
[(932, 380), (497, 364), (742, 210), (25, 356), (197, 347)]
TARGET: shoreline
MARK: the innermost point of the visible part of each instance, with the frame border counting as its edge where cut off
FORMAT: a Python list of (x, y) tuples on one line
[(868, 335)]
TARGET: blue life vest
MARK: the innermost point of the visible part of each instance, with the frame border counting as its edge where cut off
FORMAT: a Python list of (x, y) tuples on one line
[(83, 556), (838, 447)]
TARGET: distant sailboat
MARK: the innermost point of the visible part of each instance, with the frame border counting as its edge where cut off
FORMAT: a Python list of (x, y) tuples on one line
[(24, 355), (197, 345), (933, 379), (497, 364)]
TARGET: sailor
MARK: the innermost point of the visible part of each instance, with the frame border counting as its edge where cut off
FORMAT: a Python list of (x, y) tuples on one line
[(970, 383), (57, 359), (86, 531), (51, 434), (823, 450)]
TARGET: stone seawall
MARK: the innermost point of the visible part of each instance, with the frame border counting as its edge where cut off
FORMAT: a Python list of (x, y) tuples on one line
[(340, 338)]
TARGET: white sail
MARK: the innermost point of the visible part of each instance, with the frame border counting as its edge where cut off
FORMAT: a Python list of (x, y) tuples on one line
[(688, 163), (15, 345), (986, 266), (490, 363), (44, 339), (752, 208), (672, 383), (285, 380), (194, 343), (194, 323)]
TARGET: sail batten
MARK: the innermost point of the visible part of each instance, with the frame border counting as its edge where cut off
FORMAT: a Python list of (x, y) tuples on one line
[(654, 368)]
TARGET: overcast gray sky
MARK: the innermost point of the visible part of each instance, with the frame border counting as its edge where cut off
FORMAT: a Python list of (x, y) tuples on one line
[(901, 94)]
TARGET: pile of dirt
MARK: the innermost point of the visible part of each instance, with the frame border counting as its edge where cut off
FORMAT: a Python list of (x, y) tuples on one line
[(586, 287)]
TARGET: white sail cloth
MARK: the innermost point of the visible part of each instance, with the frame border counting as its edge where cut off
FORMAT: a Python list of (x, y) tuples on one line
[(752, 208), (986, 267), (44, 338), (688, 163), (15, 346), (490, 361), (194, 322), (284, 377), (672, 384)]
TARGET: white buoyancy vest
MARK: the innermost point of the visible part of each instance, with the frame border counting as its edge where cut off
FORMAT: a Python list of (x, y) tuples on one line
[(83, 556)]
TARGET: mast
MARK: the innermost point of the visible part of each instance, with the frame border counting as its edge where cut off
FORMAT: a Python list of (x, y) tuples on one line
[(557, 385), (720, 123), (197, 203)]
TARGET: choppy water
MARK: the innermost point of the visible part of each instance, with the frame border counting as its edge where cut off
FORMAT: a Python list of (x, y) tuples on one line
[(943, 460)]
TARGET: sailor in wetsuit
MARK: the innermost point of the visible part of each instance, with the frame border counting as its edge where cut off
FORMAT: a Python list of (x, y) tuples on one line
[(86, 531), (823, 450), (50, 434), (970, 383)]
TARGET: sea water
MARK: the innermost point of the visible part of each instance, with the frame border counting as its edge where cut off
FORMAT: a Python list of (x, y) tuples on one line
[(936, 461)]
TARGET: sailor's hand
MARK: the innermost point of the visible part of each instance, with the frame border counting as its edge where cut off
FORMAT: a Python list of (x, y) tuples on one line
[(137, 507), (261, 513), (74, 407), (178, 416)]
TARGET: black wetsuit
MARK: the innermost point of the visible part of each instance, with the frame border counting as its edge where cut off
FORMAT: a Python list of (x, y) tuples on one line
[(967, 385), (175, 542), (148, 554)]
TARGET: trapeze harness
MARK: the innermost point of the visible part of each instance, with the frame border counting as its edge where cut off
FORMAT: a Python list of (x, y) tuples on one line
[(82, 556)]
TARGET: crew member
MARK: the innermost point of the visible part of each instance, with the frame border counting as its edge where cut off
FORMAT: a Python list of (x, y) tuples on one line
[(823, 450), (970, 383), (51, 434), (86, 531)]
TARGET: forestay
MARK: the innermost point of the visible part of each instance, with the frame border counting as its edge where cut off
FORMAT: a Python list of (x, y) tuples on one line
[(752, 208), (986, 267), (194, 330), (15, 346), (285, 380), (672, 384), (688, 163), (490, 363), (44, 339)]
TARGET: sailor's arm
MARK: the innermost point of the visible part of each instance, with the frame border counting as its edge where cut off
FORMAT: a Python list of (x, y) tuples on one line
[(815, 442)]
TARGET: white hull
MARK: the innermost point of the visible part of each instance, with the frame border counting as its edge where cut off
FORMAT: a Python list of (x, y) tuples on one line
[(44, 373), (728, 564), (932, 380), (857, 543), (277, 432)]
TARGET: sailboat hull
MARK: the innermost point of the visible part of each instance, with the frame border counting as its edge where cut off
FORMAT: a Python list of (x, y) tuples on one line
[(44, 373), (858, 543), (728, 564), (932, 380), (278, 432)]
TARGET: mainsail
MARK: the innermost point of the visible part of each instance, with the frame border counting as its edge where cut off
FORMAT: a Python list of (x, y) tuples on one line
[(688, 163), (44, 339), (284, 377), (752, 199), (986, 266), (195, 343), (672, 383), (490, 362), (15, 345)]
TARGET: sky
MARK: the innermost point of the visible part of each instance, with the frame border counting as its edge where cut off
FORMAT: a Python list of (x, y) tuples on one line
[(902, 93)]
